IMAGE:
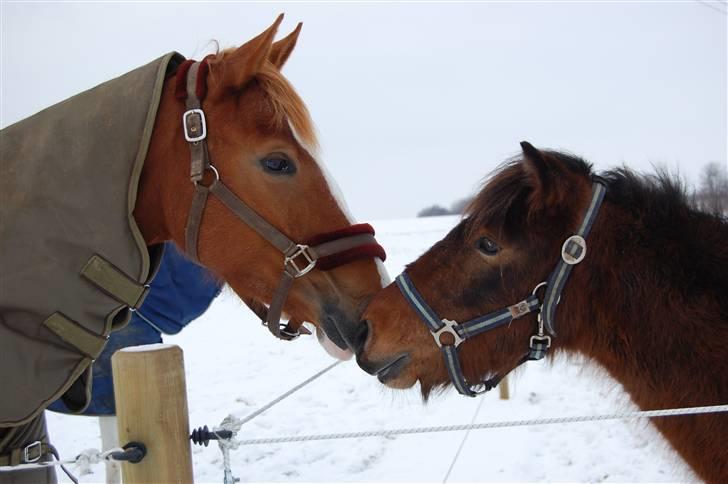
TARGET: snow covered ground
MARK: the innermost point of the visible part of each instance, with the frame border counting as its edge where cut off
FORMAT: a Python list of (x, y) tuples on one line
[(234, 366)]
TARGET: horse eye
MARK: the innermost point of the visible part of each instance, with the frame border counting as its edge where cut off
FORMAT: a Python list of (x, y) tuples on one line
[(487, 246), (278, 164)]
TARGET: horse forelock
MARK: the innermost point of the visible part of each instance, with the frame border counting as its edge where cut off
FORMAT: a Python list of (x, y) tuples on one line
[(288, 107), (506, 202)]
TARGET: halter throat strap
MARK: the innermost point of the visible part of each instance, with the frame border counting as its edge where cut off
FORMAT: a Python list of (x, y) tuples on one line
[(449, 334), (337, 248)]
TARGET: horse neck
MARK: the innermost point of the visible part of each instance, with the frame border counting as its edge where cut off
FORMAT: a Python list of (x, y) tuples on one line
[(635, 310), (165, 191)]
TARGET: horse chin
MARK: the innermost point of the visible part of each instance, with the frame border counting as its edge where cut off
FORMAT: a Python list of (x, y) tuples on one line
[(331, 348), (401, 382)]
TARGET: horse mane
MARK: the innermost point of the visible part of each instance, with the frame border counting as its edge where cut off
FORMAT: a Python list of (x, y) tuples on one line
[(503, 201), (658, 199), (287, 104), (288, 107)]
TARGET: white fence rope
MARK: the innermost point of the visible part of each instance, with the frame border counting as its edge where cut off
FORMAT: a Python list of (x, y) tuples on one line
[(285, 395), (490, 425)]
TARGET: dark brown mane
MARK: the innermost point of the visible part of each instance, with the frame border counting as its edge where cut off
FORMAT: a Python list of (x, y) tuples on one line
[(503, 200)]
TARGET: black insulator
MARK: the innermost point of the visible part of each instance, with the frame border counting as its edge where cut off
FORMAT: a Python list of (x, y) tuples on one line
[(134, 452), (203, 435)]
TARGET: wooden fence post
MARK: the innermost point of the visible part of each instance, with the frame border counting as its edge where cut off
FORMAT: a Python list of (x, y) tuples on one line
[(503, 389), (151, 406)]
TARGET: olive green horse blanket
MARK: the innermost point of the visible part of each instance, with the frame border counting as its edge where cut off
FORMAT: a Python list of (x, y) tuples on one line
[(72, 259)]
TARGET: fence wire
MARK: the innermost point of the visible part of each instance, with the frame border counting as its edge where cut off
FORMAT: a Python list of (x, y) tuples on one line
[(490, 425)]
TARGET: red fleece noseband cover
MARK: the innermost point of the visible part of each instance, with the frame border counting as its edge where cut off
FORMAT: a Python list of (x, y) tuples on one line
[(363, 252), (180, 87)]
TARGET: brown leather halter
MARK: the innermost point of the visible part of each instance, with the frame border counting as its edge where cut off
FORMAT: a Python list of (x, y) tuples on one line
[(298, 259)]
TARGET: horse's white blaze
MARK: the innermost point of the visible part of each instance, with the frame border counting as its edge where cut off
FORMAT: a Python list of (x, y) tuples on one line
[(339, 198), (330, 181), (383, 274)]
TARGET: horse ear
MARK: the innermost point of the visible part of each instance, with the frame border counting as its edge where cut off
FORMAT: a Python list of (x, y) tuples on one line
[(239, 66), (542, 171), (281, 50)]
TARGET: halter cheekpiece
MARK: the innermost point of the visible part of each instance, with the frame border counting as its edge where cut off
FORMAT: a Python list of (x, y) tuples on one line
[(326, 251), (449, 335)]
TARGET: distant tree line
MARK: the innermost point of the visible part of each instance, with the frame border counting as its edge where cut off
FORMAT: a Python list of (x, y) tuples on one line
[(710, 196), (456, 208)]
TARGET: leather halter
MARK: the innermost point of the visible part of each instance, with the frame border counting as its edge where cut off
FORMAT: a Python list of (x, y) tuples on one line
[(355, 242), (449, 334)]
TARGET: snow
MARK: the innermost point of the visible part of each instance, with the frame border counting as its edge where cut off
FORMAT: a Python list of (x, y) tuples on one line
[(233, 366), (147, 348)]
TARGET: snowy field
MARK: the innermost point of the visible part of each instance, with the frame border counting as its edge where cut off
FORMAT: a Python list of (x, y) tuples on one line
[(234, 366)]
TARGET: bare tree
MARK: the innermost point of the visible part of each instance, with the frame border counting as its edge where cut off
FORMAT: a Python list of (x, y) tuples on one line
[(712, 195)]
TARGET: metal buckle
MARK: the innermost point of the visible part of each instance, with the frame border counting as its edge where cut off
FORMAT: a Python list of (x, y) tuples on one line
[(449, 328), (283, 333), (568, 258), (542, 337), (35, 446), (290, 261), (289, 336), (519, 309), (190, 130)]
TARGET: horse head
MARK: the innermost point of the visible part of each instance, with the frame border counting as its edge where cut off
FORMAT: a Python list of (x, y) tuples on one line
[(487, 272), (261, 150)]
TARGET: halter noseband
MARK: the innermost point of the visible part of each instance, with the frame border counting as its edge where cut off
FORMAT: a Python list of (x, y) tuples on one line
[(328, 250), (449, 335)]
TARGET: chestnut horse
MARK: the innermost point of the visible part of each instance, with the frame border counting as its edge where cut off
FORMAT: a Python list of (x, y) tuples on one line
[(237, 186), (648, 302), (262, 144)]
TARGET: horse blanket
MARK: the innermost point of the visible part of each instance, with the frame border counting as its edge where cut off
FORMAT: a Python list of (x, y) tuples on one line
[(180, 292), (72, 259)]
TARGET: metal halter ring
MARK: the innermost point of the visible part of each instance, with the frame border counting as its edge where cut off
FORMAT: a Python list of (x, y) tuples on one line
[(290, 261), (214, 172), (448, 328), (290, 335), (539, 286)]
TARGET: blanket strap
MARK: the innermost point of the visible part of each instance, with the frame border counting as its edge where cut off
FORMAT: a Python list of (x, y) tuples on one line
[(114, 282), (88, 343)]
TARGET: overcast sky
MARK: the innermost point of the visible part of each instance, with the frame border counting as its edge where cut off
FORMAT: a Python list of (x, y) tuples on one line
[(416, 103)]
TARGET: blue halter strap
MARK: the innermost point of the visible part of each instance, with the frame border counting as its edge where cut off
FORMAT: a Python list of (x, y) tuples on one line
[(449, 334)]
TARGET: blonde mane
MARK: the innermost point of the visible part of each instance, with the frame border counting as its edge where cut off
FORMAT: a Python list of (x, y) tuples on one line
[(287, 104), (288, 107)]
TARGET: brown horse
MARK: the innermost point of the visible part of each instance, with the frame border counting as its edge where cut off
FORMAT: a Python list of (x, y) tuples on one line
[(648, 303)]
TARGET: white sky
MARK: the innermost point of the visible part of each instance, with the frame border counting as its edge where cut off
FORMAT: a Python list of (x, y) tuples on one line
[(416, 103)]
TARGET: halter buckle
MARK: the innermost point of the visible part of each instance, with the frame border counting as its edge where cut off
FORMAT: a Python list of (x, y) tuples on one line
[(544, 338), (33, 452), (288, 335), (448, 328), (574, 250), (195, 125), (290, 261)]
